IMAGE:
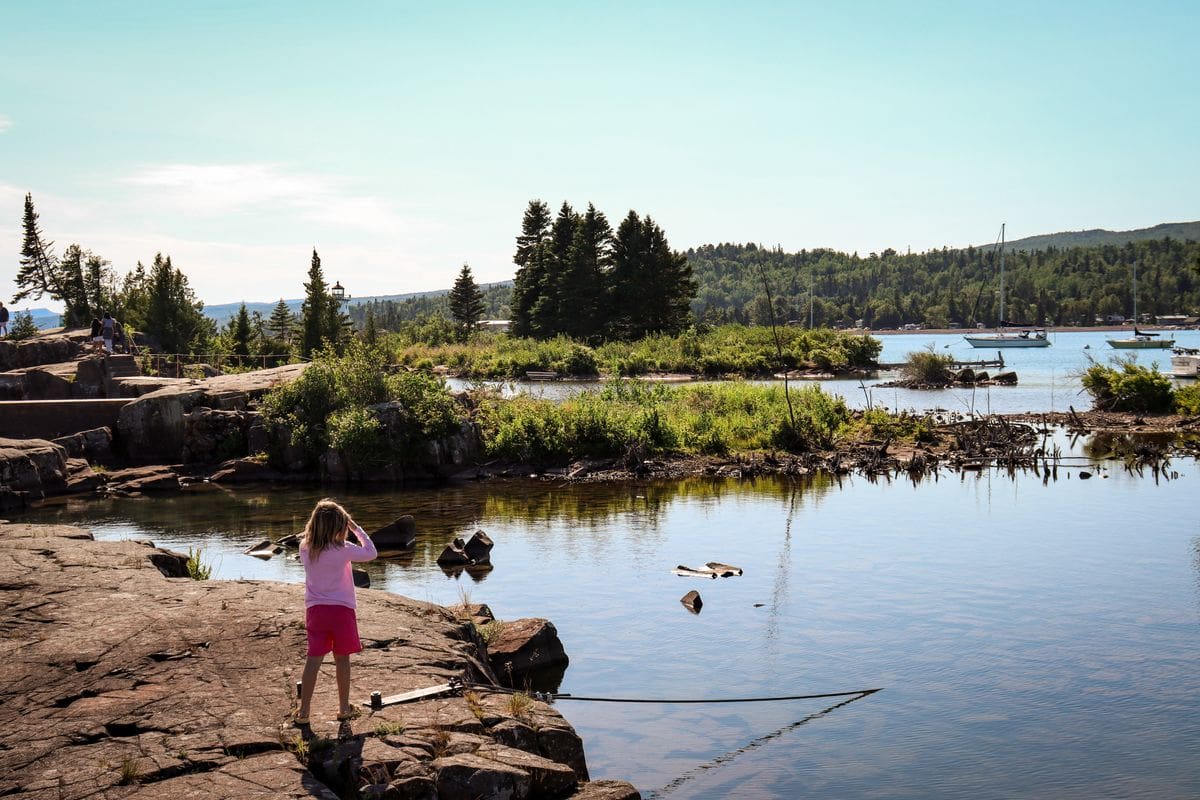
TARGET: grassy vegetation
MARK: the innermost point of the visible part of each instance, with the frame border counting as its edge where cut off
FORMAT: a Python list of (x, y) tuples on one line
[(637, 420), (712, 352), (518, 705), (1125, 385), (197, 570), (490, 631), (389, 728), (475, 704), (130, 771)]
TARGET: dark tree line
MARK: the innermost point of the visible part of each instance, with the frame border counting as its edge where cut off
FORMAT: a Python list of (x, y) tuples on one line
[(1069, 286), (578, 277)]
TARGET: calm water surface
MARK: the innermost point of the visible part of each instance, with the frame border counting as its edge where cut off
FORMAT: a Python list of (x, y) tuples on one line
[(1031, 640), (1048, 377)]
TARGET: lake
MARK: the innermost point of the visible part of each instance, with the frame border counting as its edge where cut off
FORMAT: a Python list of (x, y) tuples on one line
[(1030, 639), (1048, 376)]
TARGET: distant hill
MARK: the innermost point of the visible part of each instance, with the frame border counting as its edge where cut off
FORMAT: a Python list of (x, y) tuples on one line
[(1099, 236), (42, 317), (224, 312)]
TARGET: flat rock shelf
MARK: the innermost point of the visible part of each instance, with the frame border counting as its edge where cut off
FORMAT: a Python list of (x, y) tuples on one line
[(118, 680)]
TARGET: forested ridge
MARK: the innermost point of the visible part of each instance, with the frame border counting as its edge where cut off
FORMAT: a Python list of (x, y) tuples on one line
[(1071, 286), (1054, 286)]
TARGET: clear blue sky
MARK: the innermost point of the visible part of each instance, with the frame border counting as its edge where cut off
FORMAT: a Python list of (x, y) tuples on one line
[(404, 139)]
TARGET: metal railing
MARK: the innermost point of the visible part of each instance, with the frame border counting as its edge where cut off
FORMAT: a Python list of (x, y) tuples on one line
[(175, 364)]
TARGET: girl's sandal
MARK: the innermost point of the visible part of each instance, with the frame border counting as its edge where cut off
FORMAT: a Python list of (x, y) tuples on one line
[(300, 722), (353, 713)]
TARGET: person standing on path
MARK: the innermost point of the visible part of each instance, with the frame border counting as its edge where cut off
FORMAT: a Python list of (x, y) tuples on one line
[(330, 621), (106, 331), (97, 341), (3, 320)]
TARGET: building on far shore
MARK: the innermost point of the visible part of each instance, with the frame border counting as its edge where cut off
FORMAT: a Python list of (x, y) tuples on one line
[(495, 325)]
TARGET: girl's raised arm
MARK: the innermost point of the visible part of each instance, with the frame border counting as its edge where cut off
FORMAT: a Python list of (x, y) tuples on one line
[(365, 549)]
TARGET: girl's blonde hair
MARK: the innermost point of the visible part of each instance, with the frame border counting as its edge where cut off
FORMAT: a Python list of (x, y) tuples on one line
[(327, 526)]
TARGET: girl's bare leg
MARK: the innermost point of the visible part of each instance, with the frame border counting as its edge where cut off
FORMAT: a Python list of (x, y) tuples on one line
[(312, 668), (342, 665)]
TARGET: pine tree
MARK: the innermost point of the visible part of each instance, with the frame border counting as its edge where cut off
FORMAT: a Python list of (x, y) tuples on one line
[(651, 285), (36, 275), (466, 303), (547, 313), (281, 323), (240, 332), (173, 314), (530, 259), (672, 285), (23, 327), (79, 279), (319, 312), (370, 333), (581, 284), (133, 298), (71, 288)]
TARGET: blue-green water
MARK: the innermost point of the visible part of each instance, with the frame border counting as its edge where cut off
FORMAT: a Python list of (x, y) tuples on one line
[(1031, 640)]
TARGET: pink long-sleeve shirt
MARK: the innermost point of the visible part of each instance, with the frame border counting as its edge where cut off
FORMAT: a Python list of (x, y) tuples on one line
[(327, 578)]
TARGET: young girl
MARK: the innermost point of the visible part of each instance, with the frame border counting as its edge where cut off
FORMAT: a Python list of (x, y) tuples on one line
[(329, 599)]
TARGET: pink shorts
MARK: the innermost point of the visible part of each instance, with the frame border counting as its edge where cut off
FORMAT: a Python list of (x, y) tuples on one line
[(331, 628)]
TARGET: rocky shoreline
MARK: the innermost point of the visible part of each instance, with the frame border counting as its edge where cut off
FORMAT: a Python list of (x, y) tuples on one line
[(121, 681)]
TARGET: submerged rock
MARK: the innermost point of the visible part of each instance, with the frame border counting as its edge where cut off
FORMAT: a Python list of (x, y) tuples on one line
[(400, 534), (477, 551)]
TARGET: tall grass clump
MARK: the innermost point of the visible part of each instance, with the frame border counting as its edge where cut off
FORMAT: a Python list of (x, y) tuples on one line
[(197, 570), (630, 418), (336, 402), (1127, 386)]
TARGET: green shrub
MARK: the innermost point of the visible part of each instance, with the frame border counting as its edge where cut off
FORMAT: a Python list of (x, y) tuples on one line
[(358, 434), (1187, 400), (1127, 386), (928, 367), (327, 405)]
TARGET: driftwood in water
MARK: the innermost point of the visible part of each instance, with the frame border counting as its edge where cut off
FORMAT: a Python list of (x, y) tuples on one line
[(264, 549), (691, 572), (713, 569)]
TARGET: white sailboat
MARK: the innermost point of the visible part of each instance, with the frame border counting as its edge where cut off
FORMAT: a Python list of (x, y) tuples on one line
[(1141, 340), (1026, 337)]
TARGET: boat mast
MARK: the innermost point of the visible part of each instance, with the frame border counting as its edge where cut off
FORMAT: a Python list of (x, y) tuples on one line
[(1135, 316), (1001, 323)]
